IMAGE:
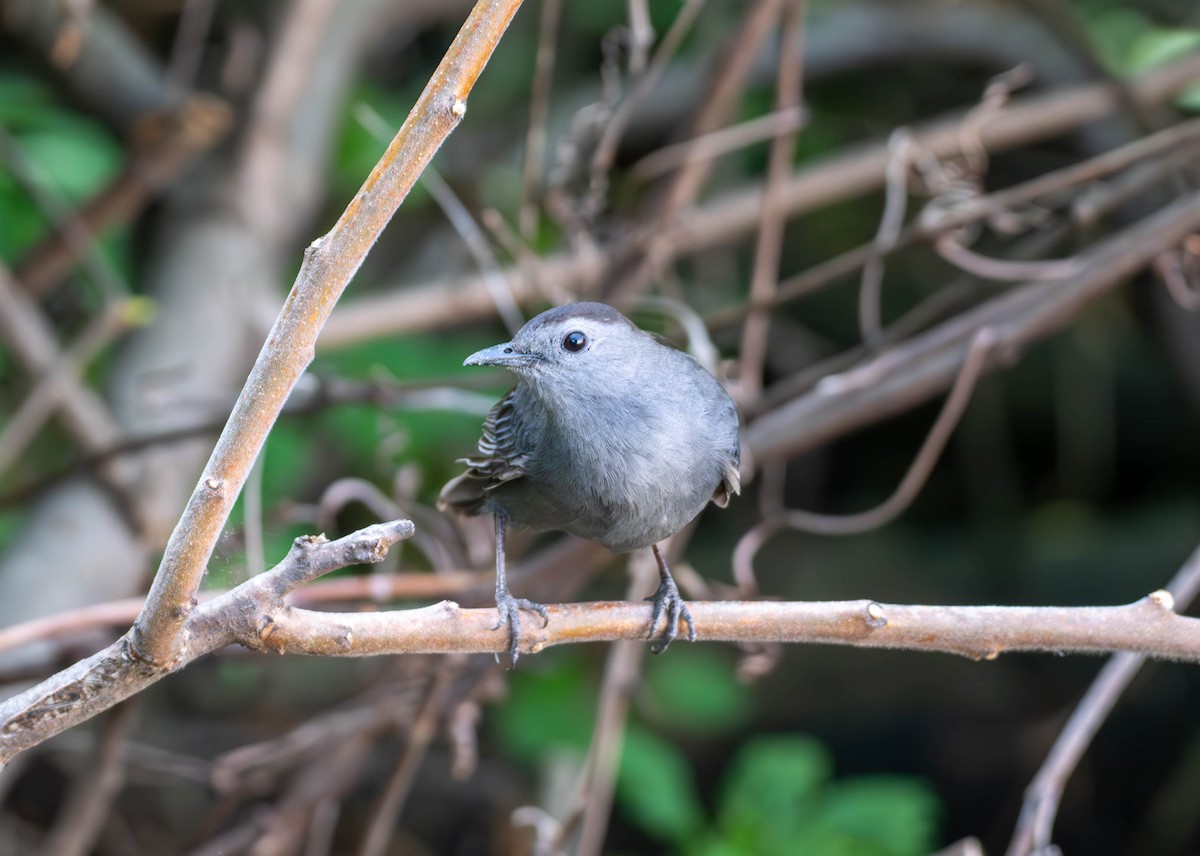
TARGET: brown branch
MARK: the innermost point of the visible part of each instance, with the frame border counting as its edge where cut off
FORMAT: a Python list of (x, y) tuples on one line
[(597, 780), (257, 615), (727, 219), (768, 246), (902, 497), (110, 676), (715, 144), (533, 161), (328, 265), (1042, 797), (424, 729), (62, 379), (979, 632), (35, 346), (928, 363), (614, 129), (82, 819)]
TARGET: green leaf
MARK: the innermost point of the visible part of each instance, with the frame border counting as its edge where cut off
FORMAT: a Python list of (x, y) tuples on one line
[(656, 787), (547, 710), (773, 790), (898, 815), (1159, 46), (76, 161), (698, 691)]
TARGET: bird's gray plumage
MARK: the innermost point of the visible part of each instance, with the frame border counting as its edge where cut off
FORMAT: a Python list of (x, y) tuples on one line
[(609, 434), (622, 442)]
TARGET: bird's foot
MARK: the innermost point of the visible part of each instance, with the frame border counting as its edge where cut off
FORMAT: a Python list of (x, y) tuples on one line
[(667, 601), (508, 610)]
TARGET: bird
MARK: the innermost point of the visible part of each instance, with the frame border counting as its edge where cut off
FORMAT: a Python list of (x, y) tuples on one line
[(611, 434)]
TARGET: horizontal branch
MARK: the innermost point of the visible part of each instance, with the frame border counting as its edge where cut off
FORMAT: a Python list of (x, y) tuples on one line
[(1148, 626), (258, 615)]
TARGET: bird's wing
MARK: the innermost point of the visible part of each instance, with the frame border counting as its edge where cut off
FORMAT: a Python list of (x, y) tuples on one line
[(730, 484), (498, 462)]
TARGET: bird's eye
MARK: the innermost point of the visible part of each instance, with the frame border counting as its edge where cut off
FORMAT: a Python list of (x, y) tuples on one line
[(575, 341)]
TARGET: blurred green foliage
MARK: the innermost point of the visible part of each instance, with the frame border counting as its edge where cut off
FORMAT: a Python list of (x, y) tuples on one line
[(69, 155), (776, 793)]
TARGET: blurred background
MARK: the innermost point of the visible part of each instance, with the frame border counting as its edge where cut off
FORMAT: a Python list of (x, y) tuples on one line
[(163, 163)]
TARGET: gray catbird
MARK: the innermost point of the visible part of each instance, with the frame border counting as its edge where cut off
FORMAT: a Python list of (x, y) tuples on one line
[(609, 434)]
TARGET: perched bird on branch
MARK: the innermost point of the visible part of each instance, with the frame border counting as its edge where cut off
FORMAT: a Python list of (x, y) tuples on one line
[(609, 434)]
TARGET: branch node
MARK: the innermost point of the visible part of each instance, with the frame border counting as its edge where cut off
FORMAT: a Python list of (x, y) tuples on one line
[(181, 611), (1162, 599), (265, 627), (876, 615), (459, 108), (308, 543), (214, 486)]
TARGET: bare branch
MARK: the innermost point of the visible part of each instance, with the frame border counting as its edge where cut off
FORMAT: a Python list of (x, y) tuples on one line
[(978, 632), (914, 370), (768, 246), (1044, 792), (730, 217), (243, 614), (328, 265), (256, 615)]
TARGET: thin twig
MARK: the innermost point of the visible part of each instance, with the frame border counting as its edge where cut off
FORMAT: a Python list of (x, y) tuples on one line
[(718, 143), (1005, 270), (768, 247), (727, 219), (1170, 269), (533, 163), (870, 289), (597, 781), (22, 427), (82, 819), (631, 265), (420, 737), (606, 149), (35, 346), (1036, 823), (908, 489)]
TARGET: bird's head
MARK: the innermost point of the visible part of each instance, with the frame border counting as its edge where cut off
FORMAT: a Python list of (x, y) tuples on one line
[(568, 343)]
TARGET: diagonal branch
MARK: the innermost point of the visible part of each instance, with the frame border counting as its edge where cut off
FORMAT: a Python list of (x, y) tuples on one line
[(329, 264), (928, 363)]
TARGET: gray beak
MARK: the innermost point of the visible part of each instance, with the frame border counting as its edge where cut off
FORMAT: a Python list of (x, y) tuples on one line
[(502, 355)]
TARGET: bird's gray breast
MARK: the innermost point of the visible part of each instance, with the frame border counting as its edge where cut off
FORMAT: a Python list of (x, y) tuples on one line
[(624, 467)]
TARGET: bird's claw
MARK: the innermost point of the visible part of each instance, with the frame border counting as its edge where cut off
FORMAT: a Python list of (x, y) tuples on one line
[(667, 601), (508, 609)]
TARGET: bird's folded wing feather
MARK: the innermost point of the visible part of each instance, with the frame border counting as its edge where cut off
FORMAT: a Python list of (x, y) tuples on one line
[(731, 484), (498, 461)]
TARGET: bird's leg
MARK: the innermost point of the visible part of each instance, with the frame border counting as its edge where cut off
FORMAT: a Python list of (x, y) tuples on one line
[(668, 601), (509, 607)]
